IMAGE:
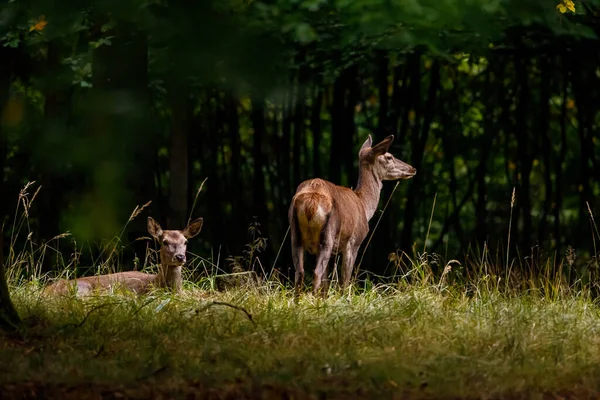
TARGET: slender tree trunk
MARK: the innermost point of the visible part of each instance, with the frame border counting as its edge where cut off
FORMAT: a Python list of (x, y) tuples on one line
[(418, 141), (259, 201), (126, 142), (234, 136), (9, 318), (350, 164), (486, 143), (524, 153), (399, 107), (286, 137), (451, 142), (53, 171), (454, 218), (205, 137), (585, 110), (544, 127), (178, 156), (259, 128), (382, 88), (382, 244), (337, 130), (237, 202), (410, 97), (315, 126), (299, 111), (562, 152), (399, 102), (5, 81)]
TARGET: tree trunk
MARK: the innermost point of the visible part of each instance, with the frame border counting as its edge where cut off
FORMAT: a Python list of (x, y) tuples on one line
[(5, 81), (585, 110), (286, 137), (382, 87), (53, 176), (544, 128), (178, 157), (337, 130), (349, 127), (206, 138), (382, 244), (418, 141), (486, 143), (400, 101), (9, 318), (259, 201), (237, 174), (562, 152), (524, 153), (128, 140), (315, 127), (299, 110)]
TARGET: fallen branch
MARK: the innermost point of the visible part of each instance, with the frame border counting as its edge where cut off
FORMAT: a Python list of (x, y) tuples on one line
[(222, 303)]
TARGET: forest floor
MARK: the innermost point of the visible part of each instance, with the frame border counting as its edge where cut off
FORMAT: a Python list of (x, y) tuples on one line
[(396, 342)]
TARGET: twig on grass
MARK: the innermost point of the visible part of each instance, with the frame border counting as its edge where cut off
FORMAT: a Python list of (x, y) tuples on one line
[(222, 303), (79, 325)]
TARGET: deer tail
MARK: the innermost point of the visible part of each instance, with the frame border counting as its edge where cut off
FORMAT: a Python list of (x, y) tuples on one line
[(312, 206)]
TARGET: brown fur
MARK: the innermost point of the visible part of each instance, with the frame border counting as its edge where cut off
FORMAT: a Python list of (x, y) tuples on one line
[(312, 200), (172, 257), (328, 219)]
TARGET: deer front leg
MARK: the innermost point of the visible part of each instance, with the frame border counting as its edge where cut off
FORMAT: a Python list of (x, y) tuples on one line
[(348, 259)]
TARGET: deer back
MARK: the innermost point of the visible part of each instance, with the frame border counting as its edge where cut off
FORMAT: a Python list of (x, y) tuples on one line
[(135, 281), (320, 204)]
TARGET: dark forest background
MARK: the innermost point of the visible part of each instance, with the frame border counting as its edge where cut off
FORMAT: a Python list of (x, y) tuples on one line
[(110, 104)]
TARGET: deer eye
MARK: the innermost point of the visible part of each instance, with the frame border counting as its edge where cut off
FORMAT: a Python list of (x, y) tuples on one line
[(165, 242), (185, 242)]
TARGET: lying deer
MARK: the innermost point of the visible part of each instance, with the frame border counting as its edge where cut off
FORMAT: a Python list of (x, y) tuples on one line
[(172, 257), (326, 218)]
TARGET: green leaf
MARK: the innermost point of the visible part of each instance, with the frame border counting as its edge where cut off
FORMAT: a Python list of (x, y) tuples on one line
[(305, 33)]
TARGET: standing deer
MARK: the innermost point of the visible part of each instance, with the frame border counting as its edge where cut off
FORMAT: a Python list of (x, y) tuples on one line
[(172, 257), (326, 218)]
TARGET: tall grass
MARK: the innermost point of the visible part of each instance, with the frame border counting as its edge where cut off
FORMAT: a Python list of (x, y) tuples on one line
[(438, 328), (378, 342)]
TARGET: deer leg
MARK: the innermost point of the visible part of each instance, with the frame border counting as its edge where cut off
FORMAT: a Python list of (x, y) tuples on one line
[(349, 257), (325, 249), (297, 256)]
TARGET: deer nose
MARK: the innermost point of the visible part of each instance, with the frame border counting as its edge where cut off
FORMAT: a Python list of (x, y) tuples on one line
[(180, 257)]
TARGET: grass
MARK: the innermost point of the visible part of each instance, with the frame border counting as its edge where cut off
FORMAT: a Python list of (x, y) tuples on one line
[(477, 332), (385, 342)]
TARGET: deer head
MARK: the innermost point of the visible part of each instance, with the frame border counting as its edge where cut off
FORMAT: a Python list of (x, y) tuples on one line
[(385, 166), (173, 243)]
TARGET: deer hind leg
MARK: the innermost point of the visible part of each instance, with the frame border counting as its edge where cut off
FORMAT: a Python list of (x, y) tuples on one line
[(349, 257), (297, 255), (323, 256)]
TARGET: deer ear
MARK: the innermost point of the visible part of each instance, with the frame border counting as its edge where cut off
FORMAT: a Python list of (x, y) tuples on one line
[(383, 146), (154, 228), (193, 228), (367, 144)]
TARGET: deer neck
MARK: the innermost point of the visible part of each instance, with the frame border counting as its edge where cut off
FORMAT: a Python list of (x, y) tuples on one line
[(368, 190), (169, 276)]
